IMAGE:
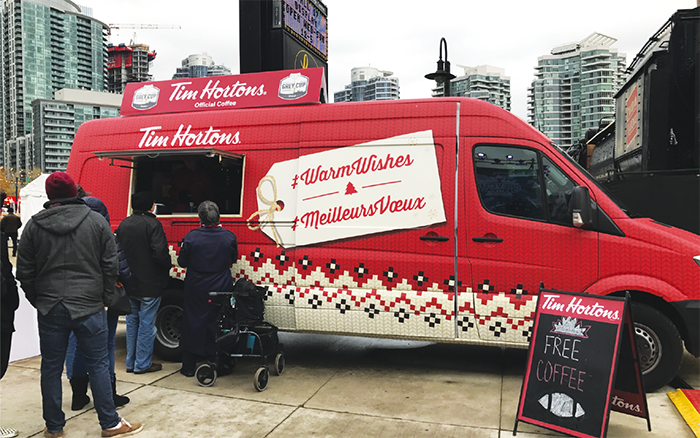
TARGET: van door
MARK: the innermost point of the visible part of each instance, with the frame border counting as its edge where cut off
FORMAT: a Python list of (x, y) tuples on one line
[(398, 283), (520, 235)]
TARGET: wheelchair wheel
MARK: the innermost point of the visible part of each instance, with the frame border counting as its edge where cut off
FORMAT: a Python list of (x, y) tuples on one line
[(262, 376), (279, 363), (206, 374)]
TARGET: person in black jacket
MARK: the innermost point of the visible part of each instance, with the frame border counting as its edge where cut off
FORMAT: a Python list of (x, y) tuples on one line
[(9, 225), (143, 240), (8, 305), (67, 264)]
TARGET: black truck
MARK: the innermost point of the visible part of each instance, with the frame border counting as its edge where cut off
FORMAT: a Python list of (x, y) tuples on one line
[(649, 157)]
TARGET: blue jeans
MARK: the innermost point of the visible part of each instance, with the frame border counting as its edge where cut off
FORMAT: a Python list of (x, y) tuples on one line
[(141, 332), (75, 362), (91, 334)]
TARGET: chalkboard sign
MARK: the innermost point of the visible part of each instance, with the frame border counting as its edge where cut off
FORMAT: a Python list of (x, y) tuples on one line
[(574, 352)]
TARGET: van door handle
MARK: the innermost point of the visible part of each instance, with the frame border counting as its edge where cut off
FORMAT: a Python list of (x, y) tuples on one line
[(487, 239), (435, 238)]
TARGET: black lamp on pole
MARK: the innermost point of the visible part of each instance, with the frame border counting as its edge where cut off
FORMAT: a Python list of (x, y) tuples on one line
[(442, 75)]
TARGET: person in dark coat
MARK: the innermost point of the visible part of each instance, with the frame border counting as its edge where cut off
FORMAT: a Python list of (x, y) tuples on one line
[(94, 203), (143, 240), (67, 265), (8, 305), (208, 253), (9, 225), (76, 369)]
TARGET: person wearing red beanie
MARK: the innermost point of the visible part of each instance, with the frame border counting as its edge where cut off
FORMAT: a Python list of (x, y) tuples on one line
[(67, 265), (60, 185)]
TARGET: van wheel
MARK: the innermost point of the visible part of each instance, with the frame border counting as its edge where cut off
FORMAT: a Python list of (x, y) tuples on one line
[(168, 324), (659, 346)]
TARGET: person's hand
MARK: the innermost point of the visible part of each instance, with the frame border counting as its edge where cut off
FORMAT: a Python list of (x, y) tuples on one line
[(119, 284)]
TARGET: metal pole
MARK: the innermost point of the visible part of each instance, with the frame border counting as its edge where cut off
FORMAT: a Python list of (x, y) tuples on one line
[(446, 87), (456, 228)]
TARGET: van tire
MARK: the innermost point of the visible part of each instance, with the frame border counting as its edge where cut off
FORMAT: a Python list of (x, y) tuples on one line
[(168, 324), (659, 346)]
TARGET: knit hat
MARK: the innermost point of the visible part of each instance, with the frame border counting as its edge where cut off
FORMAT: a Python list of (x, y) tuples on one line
[(59, 185), (142, 201)]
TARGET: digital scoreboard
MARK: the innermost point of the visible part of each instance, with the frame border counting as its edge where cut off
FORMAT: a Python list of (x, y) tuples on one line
[(307, 21), (283, 35)]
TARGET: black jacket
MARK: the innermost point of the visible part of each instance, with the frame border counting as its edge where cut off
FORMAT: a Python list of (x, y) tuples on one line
[(10, 224), (208, 254), (67, 255), (143, 240), (8, 287)]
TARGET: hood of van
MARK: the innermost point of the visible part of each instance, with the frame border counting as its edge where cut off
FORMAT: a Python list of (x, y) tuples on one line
[(662, 236)]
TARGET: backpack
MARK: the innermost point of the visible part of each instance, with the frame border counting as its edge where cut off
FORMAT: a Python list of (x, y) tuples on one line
[(250, 306)]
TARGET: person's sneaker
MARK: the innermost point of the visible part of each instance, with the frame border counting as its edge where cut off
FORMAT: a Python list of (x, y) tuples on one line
[(124, 429), (152, 369), (48, 434), (6, 432), (129, 370), (187, 373)]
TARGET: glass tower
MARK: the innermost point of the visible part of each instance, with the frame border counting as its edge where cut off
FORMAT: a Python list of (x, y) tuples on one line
[(57, 120), (46, 45), (574, 87), (199, 66), (484, 82), (369, 83)]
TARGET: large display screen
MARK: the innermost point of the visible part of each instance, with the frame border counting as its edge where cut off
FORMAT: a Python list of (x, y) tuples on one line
[(306, 20)]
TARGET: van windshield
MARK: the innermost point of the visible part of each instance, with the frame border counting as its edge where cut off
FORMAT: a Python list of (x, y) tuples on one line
[(590, 178)]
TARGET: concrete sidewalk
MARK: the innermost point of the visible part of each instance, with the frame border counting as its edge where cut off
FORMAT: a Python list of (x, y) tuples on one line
[(332, 387)]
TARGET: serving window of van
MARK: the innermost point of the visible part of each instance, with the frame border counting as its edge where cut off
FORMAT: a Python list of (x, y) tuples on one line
[(181, 180), (522, 182)]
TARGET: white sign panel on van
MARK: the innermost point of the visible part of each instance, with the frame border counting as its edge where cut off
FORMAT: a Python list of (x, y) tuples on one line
[(384, 185)]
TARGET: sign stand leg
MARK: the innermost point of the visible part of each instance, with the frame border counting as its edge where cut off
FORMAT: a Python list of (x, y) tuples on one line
[(515, 427)]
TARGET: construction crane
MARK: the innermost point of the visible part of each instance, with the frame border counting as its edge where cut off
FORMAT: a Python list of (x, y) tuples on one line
[(142, 26)]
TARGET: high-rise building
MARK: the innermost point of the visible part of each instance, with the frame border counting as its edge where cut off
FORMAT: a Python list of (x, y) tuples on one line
[(46, 45), (199, 66), (573, 88), (128, 64), (484, 82), (369, 83), (57, 120)]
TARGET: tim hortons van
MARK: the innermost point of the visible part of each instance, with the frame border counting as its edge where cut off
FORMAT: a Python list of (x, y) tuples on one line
[(433, 219)]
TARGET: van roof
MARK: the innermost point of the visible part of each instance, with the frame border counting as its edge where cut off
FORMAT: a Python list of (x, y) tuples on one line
[(315, 123)]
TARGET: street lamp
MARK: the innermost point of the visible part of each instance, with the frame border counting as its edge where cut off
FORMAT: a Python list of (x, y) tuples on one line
[(442, 75), (17, 179)]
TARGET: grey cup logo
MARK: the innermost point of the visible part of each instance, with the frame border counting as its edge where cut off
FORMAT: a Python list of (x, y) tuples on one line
[(145, 97), (293, 86)]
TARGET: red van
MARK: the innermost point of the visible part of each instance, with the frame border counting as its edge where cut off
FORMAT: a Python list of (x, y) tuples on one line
[(433, 219)]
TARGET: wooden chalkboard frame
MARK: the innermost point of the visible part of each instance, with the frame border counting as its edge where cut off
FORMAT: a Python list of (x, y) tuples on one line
[(590, 363)]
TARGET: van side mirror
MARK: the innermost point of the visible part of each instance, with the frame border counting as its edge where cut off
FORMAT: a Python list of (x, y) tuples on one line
[(582, 214)]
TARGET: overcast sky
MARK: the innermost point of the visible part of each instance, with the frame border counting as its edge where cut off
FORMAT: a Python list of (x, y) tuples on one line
[(402, 36)]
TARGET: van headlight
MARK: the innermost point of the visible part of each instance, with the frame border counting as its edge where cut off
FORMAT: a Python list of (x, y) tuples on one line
[(697, 259)]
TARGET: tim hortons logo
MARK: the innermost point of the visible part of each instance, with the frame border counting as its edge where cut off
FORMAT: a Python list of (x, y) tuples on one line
[(621, 403), (145, 97), (214, 90), (185, 136), (551, 302)]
